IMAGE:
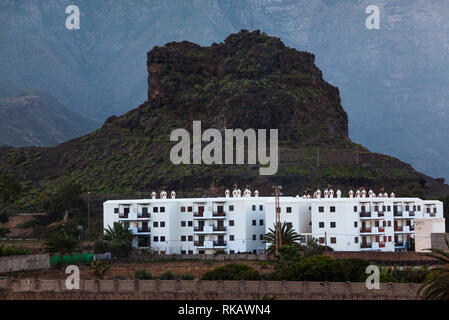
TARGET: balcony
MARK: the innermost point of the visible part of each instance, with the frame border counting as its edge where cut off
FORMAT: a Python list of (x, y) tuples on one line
[(381, 229), (219, 228), (365, 214), (381, 244), (219, 214), (381, 214), (397, 213), (143, 230), (411, 213), (143, 216), (123, 215), (198, 214), (366, 245), (365, 230), (398, 229), (219, 243), (412, 228), (198, 228), (398, 244), (198, 243)]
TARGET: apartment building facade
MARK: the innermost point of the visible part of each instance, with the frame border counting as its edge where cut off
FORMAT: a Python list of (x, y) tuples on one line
[(237, 222)]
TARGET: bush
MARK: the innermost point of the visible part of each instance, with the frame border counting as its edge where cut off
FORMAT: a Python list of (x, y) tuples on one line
[(143, 275), (14, 251), (168, 275), (404, 275), (187, 276), (232, 272)]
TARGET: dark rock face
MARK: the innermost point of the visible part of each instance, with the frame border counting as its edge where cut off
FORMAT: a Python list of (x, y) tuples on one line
[(249, 81)]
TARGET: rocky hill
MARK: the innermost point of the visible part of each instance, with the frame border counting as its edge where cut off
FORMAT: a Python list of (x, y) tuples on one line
[(250, 81)]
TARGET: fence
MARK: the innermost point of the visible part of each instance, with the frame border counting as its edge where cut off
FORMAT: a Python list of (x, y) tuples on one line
[(72, 259), (24, 263), (202, 289), (142, 257)]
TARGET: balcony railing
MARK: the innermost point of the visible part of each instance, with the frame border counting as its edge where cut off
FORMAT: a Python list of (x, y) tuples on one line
[(198, 214), (199, 243), (412, 228), (365, 230), (381, 244), (219, 243), (399, 244), (123, 216), (364, 214), (198, 228), (411, 213), (219, 228), (143, 215), (366, 245), (380, 214), (219, 214), (143, 230), (381, 229), (398, 228), (398, 214)]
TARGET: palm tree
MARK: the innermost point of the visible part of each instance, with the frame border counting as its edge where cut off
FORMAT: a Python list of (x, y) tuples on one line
[(436, 286), (61, 243), (118, 233), (288, 236)]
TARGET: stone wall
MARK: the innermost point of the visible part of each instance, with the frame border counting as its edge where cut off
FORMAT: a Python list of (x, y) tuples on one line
[(205, 290), (24, 263)]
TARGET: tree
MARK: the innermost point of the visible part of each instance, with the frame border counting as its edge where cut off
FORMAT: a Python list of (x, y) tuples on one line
[(436, 285), (289, 236), (61, 243), (10, 190), (67, 199), (117, 240)]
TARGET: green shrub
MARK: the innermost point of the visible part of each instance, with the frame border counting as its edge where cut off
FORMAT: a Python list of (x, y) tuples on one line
[(143, 275), (404, 275), (232, 272), (14, 251), (187, 276), (168, 275)]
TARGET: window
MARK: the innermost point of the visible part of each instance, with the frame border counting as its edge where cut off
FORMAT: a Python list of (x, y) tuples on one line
[(231, 208), (384, 208), (254, 237), (155, 224), (155, 239), (231, 223), (261, 207), (419, 208), (355, 208), (254, 207), (310, 223), (376, 208), (376, 223), (145, 210), (407, 208), (155, 209), (183, 209), (355, 224), (162, 224), (260, 222), (162, 239), (389, 223), (321, 224), (231, 251), (333, 240), (183, 252), (190, 223), (231, 238), (190, 251), (388, 208), (332, 209), (183, 238), (115, 210), (356, 240), (183, 223), (414, 208), (126, 210), (333, 224), (190, 238), (162, 209), (189, 209), (321, 239), (289, 209), (320, 209), (261, 237), (389, 238), (254, 222)]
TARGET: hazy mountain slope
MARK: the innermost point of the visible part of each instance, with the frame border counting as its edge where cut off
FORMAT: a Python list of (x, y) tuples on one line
[(36, 118), (393, 81)]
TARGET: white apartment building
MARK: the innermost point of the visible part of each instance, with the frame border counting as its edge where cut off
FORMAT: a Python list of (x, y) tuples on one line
[(238, 223)]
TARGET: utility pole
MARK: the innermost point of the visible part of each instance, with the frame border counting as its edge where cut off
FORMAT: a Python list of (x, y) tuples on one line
[(88, 216), (277, 193)]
